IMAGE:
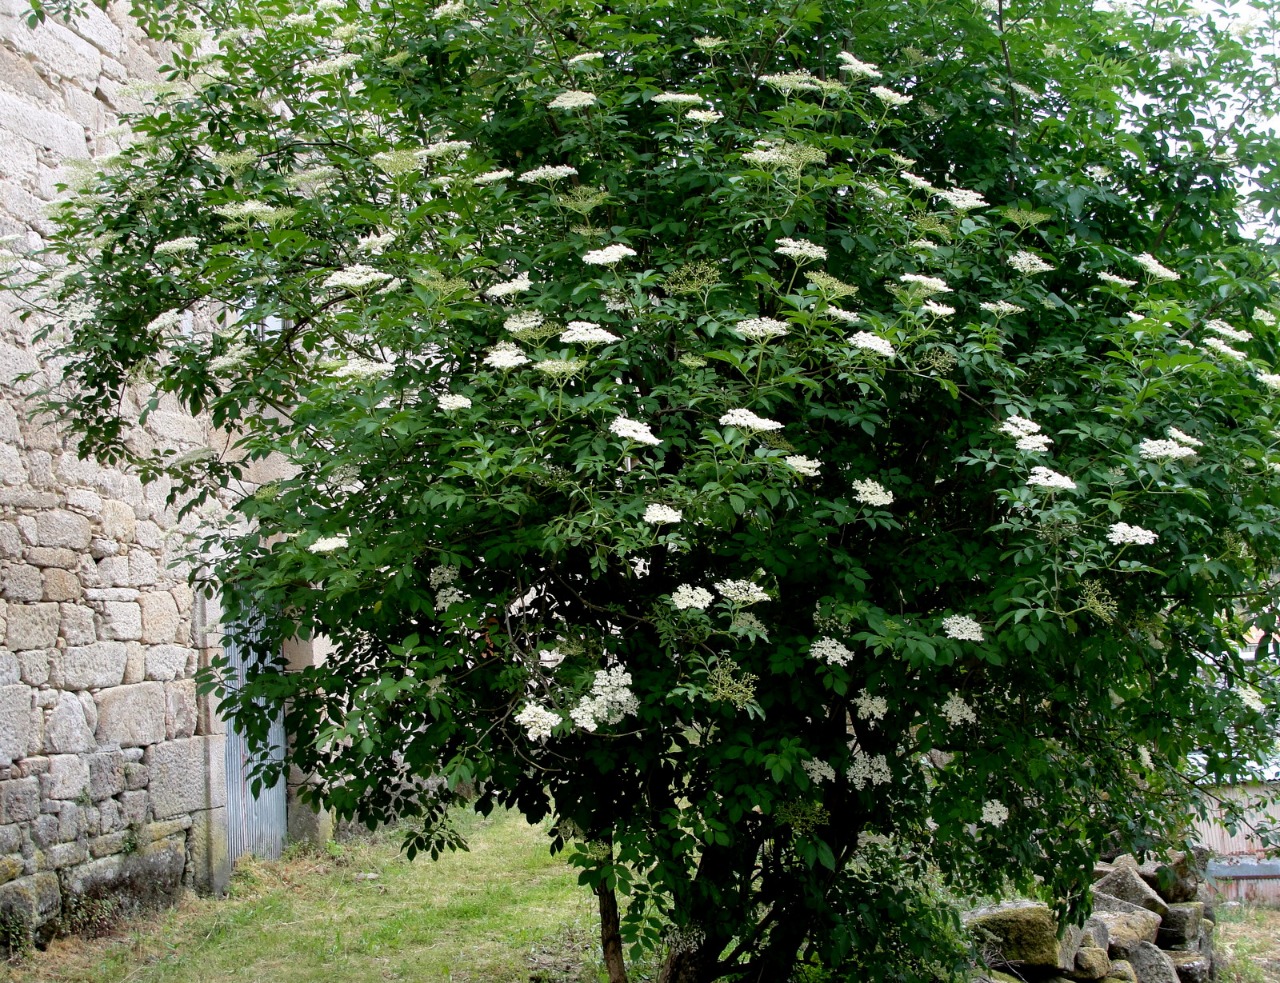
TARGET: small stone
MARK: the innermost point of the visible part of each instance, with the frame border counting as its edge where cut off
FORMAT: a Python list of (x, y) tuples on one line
[(180, 709), (54, 556), (1123, 969), (10, 668), (56, 527), (33, 666), (132, 716), (118, 521), (1181, 925), (15, 723), (1092, 963), (1151, 965), (166, 662), (61, 585), (67, 778), (31, 901), (107, 771), (122, 621), (89, 666), (160, 618), (65, 729), (19, 800), (23, 583), (1192, 967), (33, 626), (77, 625), (1126, 884)]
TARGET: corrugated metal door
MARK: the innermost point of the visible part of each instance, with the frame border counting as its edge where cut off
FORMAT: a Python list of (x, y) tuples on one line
[(256, 824)]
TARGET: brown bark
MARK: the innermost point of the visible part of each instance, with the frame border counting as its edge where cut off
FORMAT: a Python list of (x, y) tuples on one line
[(611, 934)]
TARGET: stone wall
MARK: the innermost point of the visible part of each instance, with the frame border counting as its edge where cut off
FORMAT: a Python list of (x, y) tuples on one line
[(111, 769)]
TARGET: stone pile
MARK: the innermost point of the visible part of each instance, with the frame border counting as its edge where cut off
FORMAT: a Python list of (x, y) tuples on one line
[(1147, 927)]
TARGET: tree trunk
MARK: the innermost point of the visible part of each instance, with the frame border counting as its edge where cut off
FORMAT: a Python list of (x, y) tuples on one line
[(611, 935), (684, 966)]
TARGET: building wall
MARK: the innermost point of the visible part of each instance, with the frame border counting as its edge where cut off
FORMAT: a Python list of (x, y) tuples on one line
[(111, 767)]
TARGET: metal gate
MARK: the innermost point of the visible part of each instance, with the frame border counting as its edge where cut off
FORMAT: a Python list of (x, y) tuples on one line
[(256, 824)]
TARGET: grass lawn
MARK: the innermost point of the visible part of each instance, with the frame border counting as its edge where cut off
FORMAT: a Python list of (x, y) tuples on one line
[(1248, 944), (506, 911)]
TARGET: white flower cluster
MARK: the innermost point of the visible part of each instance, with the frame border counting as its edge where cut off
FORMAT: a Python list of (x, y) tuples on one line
[(788, 82), (925, 285), (962, 628), (362, 369), (1119, 281), (1027, 434), (328, 544), (1218, 326), (761, 328), (1165, 450), (961, 199), (573, 99), (741, 591), (233, 358), (917, 182), (994, 813), (611, 699), (870, 708), (938, 310), (1222, 348), (1042, 477), (355, 278), (1154, 269), (538, 720), (587, 333), (868, 342), (443, 148), (686, 596), (1121, 534), (523, 321), (608, 256), (1250, 698), (747, 421), (1269, 379), (634, 430), (375, 242), (830, 651), (492, 177), (443, 574), (586, 56), (704, 116), (868, 770), (678, 99), (560, 368), (848, 317), (956, 712), (1265, 317), (800, 249), (447, 597), (889, 97), (870, 492), (548, 172), (818, 771), (505, 355), (658, 514), (856, 68), (806, 466), (1028, 263), (183, 244), (1001, 308), (517, 286)]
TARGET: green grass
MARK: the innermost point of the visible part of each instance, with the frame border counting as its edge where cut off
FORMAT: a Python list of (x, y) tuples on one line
[(1248, 944), (506, 911)]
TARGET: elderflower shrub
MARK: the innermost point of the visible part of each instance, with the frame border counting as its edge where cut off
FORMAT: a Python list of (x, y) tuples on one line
[(872, 342)]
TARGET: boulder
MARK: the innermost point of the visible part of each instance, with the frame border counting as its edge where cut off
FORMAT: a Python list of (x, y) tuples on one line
[(1181, 925), (1091, 963), (1192, 967), (1095, 934), (1125, 883), (1151, 965), (1122, 969), (1176, 878), (1024, 936), (1126, 928)]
